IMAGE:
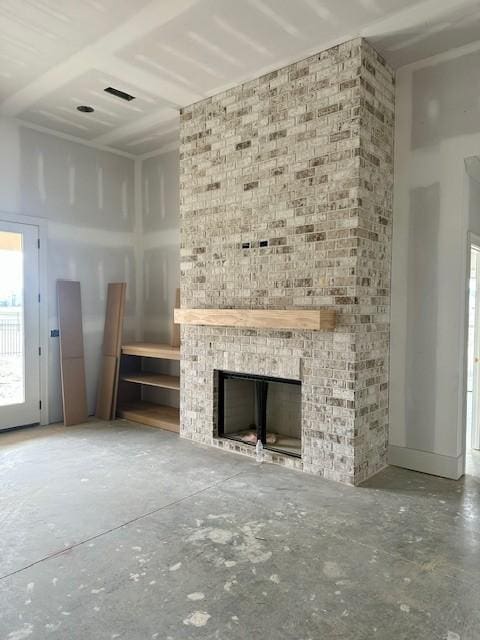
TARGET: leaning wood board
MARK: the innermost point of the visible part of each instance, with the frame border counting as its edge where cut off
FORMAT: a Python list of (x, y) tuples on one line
[(112, 341), (72, 362), (312, 320)]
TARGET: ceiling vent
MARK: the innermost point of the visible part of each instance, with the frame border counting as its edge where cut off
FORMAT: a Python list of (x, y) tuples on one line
[(119, 94)]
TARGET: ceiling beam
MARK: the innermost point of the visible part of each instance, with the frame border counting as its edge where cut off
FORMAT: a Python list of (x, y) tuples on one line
[(168, 92), (413, 17), (150, 17), (160, 117)]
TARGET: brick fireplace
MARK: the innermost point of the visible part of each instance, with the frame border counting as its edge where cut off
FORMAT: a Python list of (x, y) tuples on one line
[(286, 202)]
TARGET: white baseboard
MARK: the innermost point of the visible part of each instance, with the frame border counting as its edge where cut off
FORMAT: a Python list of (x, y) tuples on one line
[(427, 462)]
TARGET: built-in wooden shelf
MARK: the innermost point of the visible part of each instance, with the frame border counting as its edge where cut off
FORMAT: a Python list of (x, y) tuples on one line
[(151, 350), (307, 319), (153, 415), (160, 380)]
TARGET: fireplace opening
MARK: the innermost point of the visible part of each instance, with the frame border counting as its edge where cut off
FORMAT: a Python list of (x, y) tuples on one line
[(252, 408)]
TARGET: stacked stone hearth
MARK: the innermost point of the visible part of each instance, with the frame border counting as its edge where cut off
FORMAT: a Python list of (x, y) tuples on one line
[(300, 159)]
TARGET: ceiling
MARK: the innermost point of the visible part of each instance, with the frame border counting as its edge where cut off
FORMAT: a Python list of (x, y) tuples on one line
[(56, 55)]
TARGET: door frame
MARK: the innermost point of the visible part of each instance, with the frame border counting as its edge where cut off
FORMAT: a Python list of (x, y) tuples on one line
[(42, 226), (475, 430)]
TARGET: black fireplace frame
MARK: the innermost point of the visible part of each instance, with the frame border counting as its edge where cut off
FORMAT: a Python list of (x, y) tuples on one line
[(261, 391)]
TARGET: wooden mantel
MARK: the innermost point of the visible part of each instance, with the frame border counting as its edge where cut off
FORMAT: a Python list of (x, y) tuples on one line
[(309, 320)]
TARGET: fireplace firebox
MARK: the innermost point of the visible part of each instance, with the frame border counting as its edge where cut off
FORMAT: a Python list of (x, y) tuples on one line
[(252, 408)]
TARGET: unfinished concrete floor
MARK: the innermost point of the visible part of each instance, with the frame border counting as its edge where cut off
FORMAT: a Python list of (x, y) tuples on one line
[(119, 531)]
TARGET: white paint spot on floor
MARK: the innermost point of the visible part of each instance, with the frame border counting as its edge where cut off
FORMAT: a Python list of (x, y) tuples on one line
[(218, 536), (135, 577), (197, 595), (65, 613), (84, 480), (332, 570), (30, 587), (451, 635), (197, 619), (175, 567), (95, 591), (405, 608), (230, 563), (274, 578), (54, 582), (252, 548), (229, 584), (19, 634), (136, 548)]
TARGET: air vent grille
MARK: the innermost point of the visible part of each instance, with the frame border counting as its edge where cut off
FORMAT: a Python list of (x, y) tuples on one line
[(120, 94)]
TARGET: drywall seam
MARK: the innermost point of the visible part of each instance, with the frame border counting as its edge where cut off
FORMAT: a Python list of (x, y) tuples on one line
[(42, 225), (139, 248), (427, 462)]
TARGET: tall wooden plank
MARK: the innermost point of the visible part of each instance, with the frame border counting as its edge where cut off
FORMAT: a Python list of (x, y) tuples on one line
[(72, 363), (112, 343)]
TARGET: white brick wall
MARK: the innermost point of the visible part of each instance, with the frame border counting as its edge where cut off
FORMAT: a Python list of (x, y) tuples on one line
[(301, 158)]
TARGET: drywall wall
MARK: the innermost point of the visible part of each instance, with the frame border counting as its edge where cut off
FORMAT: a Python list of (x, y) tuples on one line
[(86, 197), (473, 171), (160, 256), (437, 127)]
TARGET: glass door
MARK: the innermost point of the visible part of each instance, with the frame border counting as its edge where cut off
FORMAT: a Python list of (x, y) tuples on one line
[(19, 325)]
